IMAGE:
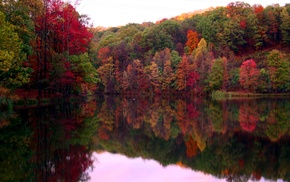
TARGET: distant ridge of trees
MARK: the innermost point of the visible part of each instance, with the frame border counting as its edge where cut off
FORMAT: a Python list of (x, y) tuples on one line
[(191, 44)]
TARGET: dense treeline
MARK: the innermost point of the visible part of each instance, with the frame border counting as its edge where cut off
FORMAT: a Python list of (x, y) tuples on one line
[(237, 47), (46, 47), (43, 47), (236, 139)]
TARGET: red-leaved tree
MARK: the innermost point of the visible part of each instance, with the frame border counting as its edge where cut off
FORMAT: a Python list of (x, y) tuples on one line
[(249, 75), (61, 32)]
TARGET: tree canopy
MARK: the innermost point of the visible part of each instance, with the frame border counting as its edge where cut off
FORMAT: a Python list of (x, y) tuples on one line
[(48, 46)]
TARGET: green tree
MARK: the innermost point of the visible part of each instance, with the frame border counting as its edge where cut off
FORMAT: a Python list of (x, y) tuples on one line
[(87, 76), (264, 81), (128, 32), (211, 24), (174, 29), (285, 26), (253, 36), (272, 21), (261, 23), (12, 72), (215, 115), (107, 39), (175, 59), (216, 75), (234, 77), (156, 39), (15, 151), (84, 68), (20, 14), (278, 66), (233, 35)]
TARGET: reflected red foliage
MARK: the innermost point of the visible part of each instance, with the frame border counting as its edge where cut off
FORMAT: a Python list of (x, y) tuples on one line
[(192, 79), (248, 117), (191, 148), (69, 164), (257, 175), (191, 111), (103, 134)]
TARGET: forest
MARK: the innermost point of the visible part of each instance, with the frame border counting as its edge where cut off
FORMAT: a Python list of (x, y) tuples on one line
[(47, 49)]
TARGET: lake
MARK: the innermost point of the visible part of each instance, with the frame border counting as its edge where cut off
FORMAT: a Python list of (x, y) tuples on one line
[(147, 139)]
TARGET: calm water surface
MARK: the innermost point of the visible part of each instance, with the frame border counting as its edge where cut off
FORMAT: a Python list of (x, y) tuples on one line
[(147, 139)]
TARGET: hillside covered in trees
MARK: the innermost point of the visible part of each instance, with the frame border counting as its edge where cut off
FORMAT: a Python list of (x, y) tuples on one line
[(234, 48), (48, 49)]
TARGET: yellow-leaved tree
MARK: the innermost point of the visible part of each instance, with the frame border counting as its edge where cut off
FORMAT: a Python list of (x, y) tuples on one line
[(12, 72)]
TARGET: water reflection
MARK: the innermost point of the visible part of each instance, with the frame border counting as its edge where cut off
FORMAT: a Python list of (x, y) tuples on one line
[(14, 149), (48, 143), (238, 140), (234, 140)]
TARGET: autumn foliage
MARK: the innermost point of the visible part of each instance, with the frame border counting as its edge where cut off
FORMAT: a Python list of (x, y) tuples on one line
[(60, 54), (234, 137), (249, 75), (192, 40), (201, 54)]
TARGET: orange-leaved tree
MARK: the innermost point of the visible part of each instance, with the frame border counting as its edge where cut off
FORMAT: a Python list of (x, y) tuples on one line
[(192, 40)]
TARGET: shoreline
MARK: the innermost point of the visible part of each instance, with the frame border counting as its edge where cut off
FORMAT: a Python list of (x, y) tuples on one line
[(238, 95)]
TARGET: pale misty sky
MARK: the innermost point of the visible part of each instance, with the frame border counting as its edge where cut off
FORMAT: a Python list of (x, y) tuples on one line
[(109, 13)]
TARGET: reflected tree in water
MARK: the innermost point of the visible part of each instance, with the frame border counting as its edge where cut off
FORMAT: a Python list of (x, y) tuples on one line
[(248, 116), (15, 151), (50, 143), (237, 140)]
